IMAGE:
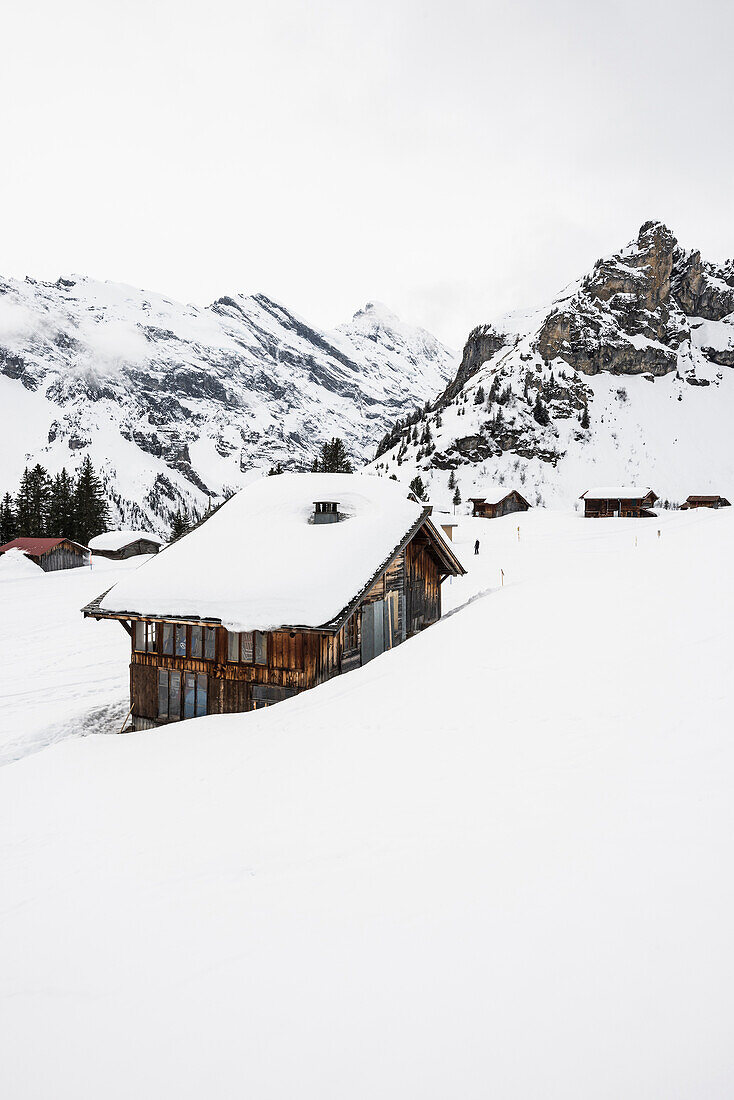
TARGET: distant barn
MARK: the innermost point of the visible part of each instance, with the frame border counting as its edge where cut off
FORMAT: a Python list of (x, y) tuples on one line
[(628, 501), (500, 504), (296, 579), (124, 544), (51, 554), (705, 502)]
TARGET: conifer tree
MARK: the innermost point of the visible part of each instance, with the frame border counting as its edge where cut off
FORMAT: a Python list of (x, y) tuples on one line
[(334, 459), (417, 487), (452, 480), (8, 528), (180, 524), (585, 417), (91, 513), (457, 499), (479, 395), (61, 517), (31, 506), (540, 413)]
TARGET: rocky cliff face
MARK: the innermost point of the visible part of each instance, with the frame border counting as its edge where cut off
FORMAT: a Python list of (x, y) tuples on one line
[(178, 404), (633, 311), (574, 389)]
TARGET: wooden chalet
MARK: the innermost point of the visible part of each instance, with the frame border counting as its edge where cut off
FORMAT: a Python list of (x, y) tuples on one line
[(499, 505), (118, 545), (627, 501), (296, 579), (705, 502), (50, 553)]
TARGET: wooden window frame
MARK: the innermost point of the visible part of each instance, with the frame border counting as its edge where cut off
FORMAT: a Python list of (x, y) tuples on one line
[(351, 632), (149, 630), (169, 629), (201, 692), (256, 654)]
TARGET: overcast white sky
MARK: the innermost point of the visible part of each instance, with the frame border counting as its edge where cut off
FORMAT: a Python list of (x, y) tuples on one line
[(453, 159)]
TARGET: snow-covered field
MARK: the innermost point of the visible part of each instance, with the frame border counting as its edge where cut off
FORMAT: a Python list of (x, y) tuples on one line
[(496, 862), (62, 676)]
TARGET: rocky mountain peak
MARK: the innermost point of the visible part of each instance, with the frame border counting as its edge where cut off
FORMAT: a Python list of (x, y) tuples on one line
[(570, 389), (178, 404)]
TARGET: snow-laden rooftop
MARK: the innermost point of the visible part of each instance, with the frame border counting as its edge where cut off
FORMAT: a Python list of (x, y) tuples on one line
[(258, 563), (493, 494), (618, 492), (115, 540)]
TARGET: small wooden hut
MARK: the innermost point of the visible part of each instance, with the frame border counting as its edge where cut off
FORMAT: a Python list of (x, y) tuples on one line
[(119, 545), (501, 504), (705, 502), (50, 553), (628, 501), (296, 579)]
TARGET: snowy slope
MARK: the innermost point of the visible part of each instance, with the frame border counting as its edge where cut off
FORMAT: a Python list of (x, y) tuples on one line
[(644, 343), (406, 883), (62, 677), (175, 403)]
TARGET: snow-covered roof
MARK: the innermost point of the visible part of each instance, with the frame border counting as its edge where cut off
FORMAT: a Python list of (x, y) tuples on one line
[(495, 493), (258, 563), (116, 540), (618, 492), (37, 546)]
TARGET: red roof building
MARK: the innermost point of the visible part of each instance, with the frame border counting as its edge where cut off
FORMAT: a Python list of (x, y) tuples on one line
[(50, 553)]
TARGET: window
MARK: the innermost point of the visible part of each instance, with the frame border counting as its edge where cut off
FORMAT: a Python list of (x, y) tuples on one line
[(145, 637), (189, 694), (163, 694), (195, 692), (174, 696), (200, 643), (351, 633), (201, 693), (247, 647), (264, 695)]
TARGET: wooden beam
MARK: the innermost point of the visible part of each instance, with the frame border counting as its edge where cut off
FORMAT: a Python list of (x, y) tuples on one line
[(128, 628)]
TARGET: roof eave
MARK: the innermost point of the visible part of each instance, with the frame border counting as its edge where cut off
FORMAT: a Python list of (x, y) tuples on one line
[(452, 565)]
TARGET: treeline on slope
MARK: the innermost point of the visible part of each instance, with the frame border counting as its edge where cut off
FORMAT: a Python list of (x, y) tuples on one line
[(64, 506)]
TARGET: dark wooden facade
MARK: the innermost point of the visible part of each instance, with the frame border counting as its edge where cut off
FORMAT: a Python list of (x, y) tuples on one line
[(130, 550), (181, 669), (51, 554), (512, 502), (705, 502), (622, 507)]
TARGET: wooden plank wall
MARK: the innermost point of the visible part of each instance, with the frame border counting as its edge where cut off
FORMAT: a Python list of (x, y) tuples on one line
[(61, 557), (297, 660), (422, 586)]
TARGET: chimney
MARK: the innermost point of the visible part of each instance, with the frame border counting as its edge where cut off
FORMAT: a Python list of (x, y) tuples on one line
[(325, 511)]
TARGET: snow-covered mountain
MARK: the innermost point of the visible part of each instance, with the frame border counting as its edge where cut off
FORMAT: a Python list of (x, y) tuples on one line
[(641, 349), (176, 403)]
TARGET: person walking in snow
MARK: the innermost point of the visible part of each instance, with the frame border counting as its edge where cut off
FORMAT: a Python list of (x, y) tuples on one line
[(476, 547)]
